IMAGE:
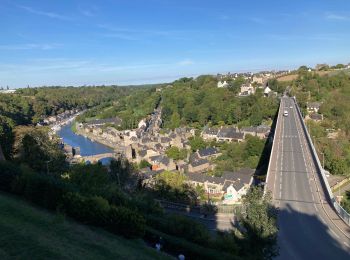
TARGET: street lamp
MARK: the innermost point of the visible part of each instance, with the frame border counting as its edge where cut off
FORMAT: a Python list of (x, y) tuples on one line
[(47, 166), (322, 160)]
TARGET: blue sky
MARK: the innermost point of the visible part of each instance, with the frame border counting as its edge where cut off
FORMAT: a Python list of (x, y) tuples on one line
[(78, 42)]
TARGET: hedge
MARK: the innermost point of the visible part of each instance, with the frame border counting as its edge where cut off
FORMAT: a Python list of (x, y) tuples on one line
[(176, 246), (8, 173)]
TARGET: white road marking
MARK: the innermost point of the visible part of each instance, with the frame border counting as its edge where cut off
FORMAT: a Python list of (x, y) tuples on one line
[(315, 208)]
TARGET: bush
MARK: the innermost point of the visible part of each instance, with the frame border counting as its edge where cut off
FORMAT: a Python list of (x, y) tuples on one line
[(89, 210), (126, 222), (43, 190), (181, 226), (8, 173), (177, 246), (95, 210)]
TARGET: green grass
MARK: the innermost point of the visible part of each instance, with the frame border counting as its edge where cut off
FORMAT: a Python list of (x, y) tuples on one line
[(27, 232), (74, 127)]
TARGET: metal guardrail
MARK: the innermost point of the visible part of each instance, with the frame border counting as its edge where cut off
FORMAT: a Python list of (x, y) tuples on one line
[(341, 212), (276, 132)]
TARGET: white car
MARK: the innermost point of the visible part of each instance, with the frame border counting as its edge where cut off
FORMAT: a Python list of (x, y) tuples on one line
[(285, 113), (291, 107)]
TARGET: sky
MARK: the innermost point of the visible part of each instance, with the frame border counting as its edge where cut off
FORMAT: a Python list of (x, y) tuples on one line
[(95, 42)]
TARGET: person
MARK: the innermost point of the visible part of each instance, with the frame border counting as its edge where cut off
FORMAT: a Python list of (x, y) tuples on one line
[(158, 247), (181, 257)]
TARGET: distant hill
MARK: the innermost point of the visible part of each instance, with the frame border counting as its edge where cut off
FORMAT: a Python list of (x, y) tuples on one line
[(294, 76), (27, 232)]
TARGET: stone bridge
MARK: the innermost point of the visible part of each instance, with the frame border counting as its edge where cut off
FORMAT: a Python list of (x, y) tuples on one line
[(95, 158)]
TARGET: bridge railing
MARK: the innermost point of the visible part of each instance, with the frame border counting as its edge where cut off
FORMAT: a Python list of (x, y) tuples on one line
[(273, 153), (341, 212)]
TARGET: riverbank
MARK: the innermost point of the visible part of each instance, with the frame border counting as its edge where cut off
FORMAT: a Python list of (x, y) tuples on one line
[(87, 146), (94, 138)]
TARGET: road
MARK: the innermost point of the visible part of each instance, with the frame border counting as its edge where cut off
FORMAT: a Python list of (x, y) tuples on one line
[(308, 226)]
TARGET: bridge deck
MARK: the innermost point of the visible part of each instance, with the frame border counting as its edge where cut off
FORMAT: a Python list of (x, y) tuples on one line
[(309, 227)]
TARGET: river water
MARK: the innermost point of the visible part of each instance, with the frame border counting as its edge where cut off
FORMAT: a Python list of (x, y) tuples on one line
[(87, 147)]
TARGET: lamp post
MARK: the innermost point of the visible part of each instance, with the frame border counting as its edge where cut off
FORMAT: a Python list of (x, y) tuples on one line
[(322, 160), (47, 166)]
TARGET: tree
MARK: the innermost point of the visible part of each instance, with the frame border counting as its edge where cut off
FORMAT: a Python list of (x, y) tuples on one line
[(260, 222), (120, 171), (175, 120), (197, 143), (91, 179), (34, 147), (176, 153), (6, 136)]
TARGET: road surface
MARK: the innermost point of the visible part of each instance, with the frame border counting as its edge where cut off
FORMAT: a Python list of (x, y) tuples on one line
[(308, 227)]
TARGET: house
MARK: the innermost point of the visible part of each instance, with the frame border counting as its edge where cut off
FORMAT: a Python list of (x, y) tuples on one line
[(313, 107), (229, 134), (231, 185), (246, 90), (267, 91), (211, 184), (181, 166), (237, 184), (99, 122), (199, 165), (162, 162), (323, 66), (209, 133), (223, 84), (316, 117), (258, 79), (142, 123), (261, 131), (209, 152), (7, 91)]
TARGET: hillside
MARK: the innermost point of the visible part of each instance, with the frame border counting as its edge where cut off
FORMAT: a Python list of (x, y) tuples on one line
[(27, 232), (294, 76)]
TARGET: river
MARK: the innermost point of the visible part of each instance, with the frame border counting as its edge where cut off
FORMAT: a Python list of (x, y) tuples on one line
[(87, 147)]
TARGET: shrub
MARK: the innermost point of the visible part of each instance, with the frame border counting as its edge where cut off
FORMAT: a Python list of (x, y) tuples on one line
[(46, 191), (8, 173), (181, 226), (89, 210), (177, 245), (126, 222)]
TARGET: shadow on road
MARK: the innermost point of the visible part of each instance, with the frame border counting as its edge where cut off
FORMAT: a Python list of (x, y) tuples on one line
[(305, 236)]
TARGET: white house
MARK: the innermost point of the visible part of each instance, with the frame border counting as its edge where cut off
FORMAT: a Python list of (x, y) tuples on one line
[(222, 84), (142, 123), (267, 91), (246, 90)]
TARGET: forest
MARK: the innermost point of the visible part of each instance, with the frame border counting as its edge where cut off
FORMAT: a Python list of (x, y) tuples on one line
[(198, 102)]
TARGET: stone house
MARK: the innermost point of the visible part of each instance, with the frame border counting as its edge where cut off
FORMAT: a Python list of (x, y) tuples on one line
[(209, 133), (206, 153), (246, 90), (313, 107), (199, 165), (229, 134), (222, 84), (162, 162)]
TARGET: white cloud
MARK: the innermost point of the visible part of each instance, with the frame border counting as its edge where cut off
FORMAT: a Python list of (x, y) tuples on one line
[(122, 36), (88, 11), (43, 13), (186, 62), (333, 16), (29, 46)]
